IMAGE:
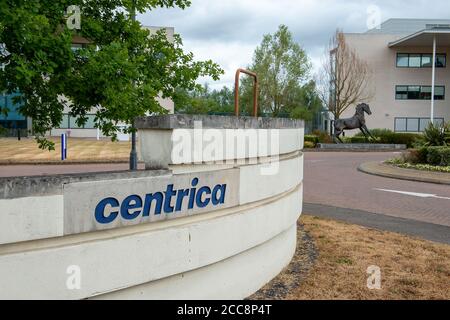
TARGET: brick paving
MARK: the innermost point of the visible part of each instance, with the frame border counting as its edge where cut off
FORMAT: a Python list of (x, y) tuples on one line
[(332, 179)]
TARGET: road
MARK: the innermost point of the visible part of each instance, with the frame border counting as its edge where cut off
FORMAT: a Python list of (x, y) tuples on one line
[(331, 179)]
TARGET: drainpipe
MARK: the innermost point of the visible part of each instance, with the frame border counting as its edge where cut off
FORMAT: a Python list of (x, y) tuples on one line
[(433, 79)]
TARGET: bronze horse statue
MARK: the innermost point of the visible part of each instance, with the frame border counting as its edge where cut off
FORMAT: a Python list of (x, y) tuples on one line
[(356, 122)]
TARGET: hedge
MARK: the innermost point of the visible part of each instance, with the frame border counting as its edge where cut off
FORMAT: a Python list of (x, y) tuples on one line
[(438, 156), (312, 139)]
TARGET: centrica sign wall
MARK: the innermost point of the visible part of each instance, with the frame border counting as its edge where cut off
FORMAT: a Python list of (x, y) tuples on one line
[(208, 229)]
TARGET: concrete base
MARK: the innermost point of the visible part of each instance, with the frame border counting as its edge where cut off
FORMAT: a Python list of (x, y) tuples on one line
[(361, 147)]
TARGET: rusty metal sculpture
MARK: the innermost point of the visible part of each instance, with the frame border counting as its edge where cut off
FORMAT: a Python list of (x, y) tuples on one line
[(255, 91), (358, 121)]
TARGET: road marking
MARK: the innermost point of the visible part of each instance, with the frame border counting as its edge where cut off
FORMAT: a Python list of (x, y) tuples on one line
[(414, 194)]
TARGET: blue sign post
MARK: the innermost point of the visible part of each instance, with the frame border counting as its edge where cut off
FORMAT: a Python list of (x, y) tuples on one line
[(63, 147)]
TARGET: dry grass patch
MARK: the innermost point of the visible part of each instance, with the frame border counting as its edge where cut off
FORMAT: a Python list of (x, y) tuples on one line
[(26, 150), (411, 268)]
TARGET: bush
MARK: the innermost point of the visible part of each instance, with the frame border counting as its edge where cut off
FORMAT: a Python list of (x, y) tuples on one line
[(408, 139), (358, 139), (309, 145), (415, 156), (438, 156), (311, 138), (435, 135), (323, 136), (387, 136)]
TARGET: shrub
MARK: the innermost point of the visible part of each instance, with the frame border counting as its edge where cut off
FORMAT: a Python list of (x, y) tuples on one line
[(358, 139), (387, 136), (415, 156), (309, 145), (323, 136), (399, 138), (438, 156), (436, 135), (311, 138), (376, 132)]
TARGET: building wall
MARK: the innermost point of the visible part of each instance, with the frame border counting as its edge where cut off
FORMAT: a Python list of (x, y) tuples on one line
[(386, 76)]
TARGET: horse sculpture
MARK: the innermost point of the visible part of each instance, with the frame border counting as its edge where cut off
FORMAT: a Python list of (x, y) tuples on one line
[(356, 122)]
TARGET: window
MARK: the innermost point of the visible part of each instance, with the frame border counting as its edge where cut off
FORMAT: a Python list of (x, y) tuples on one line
[(414, 124), (69, 122), (441, 60), (419, 93), (426, 61), (415, 61), (90, 124), (439, 93), (401, 93), (64, 122), (400, 124), (420, 60), (413, 92), (402, 60)]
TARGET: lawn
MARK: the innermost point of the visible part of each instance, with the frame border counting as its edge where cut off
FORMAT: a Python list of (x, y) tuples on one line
[(79, 150), (410, 268)]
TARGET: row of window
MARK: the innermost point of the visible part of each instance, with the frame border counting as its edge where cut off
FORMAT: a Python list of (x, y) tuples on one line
[(69, 122), (414, 124), (418, 60), (419, 92)]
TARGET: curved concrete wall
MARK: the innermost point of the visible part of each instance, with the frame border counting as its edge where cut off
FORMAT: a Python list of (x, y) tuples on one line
[(227, 250)]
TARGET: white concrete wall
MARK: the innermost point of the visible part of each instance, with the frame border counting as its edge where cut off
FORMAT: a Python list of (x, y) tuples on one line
[(225, 253), (373, 48)]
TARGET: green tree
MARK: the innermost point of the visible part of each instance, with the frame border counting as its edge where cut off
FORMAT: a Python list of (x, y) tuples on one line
[(202, 100), (282, 66), (119, 75)]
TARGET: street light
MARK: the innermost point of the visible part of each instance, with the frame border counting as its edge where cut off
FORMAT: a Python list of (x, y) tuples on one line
[(133, 153)]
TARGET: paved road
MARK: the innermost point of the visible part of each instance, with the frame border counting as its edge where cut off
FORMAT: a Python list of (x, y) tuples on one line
[(332, 179)]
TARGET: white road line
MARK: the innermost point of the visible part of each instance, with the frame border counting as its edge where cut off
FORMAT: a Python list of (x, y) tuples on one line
[(414, 194)]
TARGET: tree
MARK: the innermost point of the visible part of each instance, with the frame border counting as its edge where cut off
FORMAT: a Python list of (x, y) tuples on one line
[(308, 102), (119, 75), (282, 66), (345, 78), (202, 100)]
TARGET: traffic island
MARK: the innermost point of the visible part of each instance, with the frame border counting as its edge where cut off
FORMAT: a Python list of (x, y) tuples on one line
[(389, 171)]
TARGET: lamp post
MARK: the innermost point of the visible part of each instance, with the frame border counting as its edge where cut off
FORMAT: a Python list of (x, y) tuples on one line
[(133, 153)]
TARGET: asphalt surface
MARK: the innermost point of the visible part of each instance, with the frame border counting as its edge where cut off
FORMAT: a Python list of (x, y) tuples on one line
[(332, 179)]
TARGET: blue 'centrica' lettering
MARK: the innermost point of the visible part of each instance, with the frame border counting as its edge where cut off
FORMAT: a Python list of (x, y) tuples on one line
[(171, 201), (100, 211), (130, 203), (203, 203)]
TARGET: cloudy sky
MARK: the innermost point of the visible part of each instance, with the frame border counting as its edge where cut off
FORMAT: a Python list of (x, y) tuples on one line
[(228, 31)]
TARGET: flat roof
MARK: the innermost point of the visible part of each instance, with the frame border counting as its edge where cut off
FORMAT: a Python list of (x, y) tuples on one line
[(424, 38)]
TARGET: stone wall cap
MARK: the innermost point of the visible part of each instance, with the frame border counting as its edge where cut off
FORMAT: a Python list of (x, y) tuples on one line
[(32, 186), (182, 121)]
